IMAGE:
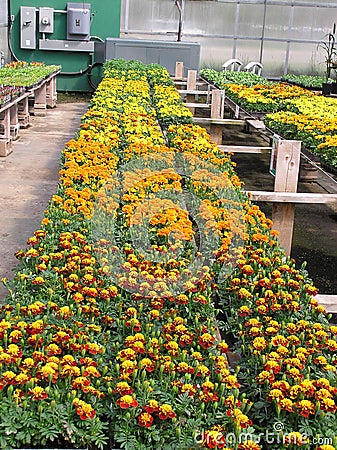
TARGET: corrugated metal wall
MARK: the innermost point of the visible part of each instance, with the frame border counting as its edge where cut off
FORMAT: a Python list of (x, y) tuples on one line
[(282, 34)]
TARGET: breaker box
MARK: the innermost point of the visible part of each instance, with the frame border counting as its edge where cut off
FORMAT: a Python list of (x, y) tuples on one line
[(27, 27), (78, 21)]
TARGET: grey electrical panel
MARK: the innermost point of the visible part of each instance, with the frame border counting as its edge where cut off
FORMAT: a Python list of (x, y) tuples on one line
[(78, 21), (27, 27), (46, 20)]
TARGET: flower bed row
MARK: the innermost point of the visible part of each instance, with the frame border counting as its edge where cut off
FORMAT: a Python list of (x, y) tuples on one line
[(291, 111), (306, 81), (23, 74), (108, 335)]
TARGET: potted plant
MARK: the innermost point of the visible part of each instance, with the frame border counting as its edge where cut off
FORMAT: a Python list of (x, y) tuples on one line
[(329, 46)]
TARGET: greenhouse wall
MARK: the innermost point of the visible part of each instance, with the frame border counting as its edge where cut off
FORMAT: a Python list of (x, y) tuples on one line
[(281, 34), (3, 29)]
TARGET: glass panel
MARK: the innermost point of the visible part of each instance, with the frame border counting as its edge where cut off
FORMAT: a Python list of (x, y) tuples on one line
[(217, 18), (122, 20), (153, 15), (250, 20), (277, 21), (3, 43), (273, 60), (304, 59), (3, 12), (158, 20), (247, 51), (312, 23), (214, 52)]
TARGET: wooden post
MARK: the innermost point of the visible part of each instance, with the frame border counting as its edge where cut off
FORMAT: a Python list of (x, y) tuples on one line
[(191, 86), (216, 113), (286, 179), (179, 75)]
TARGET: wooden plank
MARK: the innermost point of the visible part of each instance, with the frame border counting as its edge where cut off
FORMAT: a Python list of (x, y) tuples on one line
[(208, 121), (179, 72), (191, 86), (194, 92), (184, 82), (198, 105), (191, 80), (328, 301), (293, 197), (286, 180), (217, 104), (257, 124), (244, 149), (283, 215), (287, 166)]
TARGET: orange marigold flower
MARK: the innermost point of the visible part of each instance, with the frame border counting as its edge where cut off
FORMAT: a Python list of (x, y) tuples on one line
[(295, 438), (206, 340), (213, 439), (38, 393), (127, 401), (123, 388), (80, 382), (38, 281), (145, 420), (151, 406), (305, 407), (53, 349), (165, 411), (83, 409)]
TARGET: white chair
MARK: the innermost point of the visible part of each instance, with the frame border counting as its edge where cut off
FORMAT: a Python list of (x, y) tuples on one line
[(233, 65), (254, 67)]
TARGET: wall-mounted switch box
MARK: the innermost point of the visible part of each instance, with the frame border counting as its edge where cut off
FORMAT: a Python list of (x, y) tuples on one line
[(78, 21), (27, 27), (46, 20)]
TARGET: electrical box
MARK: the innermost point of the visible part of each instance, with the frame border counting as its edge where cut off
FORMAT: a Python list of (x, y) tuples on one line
[(78, 21), (46, 20), (27, 27)]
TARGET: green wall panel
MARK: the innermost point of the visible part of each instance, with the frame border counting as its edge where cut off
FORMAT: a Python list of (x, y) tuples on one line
[(105, 23)]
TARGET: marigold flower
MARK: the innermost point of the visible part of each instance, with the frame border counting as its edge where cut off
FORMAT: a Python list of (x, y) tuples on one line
[(80, 382), (127, 401), (165, 411), (213, 439), (123, 388), (83, 409), (151, 406), (206, 340), (38, 393), (305, 407), (295, 438), (38, 280), (145, 420)]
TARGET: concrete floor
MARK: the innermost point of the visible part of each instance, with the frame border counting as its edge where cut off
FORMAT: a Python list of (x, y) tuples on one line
[(29, 177)]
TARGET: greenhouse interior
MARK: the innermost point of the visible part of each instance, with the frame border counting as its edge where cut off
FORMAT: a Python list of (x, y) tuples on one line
[(168, 228)]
